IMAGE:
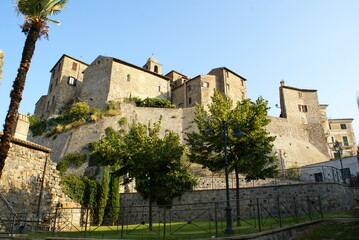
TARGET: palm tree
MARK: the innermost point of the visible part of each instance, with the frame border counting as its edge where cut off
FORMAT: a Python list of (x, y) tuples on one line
[(36, 14)]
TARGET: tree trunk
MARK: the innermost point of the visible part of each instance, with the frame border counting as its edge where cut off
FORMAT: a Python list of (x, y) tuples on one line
[(16, 94), (237, 198)]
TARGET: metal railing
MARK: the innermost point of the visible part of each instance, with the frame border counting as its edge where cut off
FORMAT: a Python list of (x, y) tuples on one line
[(186, 221), (7, 215), (284, 177)]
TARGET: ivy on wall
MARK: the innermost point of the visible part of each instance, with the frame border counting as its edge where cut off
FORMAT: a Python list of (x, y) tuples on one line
[(71, 159)]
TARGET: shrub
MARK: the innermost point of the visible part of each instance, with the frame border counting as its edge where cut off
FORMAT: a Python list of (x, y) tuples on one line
[(79, 111), (75, 159), (151, 102), (37, 126), (81, 189)]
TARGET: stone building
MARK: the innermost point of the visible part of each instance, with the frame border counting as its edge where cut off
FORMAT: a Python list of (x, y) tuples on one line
[(301, 130), (341, 130), (65, 82), (109, 79)]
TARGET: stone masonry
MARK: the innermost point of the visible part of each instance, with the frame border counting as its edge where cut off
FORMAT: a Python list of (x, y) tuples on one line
[(30, 181)]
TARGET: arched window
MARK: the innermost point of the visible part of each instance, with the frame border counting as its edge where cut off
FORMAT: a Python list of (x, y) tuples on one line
[(156, 69), (128, 78)]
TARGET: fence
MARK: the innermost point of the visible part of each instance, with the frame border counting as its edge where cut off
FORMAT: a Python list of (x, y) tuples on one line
[(7, 216), (284, 177), (186, 221)]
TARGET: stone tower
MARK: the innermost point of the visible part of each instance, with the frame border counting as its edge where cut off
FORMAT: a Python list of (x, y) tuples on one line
[(153, 65), (301, 106), (65, 83)]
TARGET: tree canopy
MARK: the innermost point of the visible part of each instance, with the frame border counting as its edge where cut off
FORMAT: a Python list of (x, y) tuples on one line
[(249, 154)]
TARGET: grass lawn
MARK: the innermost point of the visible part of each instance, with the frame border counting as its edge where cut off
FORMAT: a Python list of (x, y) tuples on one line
[(188, 230), (336, 230)]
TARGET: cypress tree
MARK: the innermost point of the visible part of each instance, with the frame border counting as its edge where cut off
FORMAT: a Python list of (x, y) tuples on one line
[(114, 199), (103, 196)]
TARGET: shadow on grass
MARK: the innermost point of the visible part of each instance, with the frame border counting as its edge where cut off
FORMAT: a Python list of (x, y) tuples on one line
[(191, 230)]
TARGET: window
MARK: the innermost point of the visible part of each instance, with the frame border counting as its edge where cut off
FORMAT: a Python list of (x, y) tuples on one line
[(330, 126), (189, 88), (300, 94), (343, 126), (333, 140), (50, 89), (242, 83), (303, 108), (189, 100), (72, 81), (53, 99), (128, 78), (318, 177), (345, 141), (74, 66), (227, 74), (56, 81), (48, 104), (205, 84), (59, 67), (156, 69), (159, 88)]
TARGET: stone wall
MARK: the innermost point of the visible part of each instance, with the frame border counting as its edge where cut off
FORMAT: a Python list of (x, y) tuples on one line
[(292, 138), (30, 181), (330, 197)]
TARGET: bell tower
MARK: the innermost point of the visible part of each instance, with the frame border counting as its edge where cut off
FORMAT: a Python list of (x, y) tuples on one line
[(153, 65)]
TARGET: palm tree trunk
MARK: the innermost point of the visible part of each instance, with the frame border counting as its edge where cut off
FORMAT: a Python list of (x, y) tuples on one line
[(16, 94)]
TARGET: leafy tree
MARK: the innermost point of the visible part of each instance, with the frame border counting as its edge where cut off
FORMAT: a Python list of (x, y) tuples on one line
[(113, 201), (109, 150), (103, 196), (155, 163), (36, 16), (248, 154)]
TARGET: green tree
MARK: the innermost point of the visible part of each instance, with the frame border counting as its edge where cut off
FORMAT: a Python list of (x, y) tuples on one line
[(109, 150), (247, 155), (36, 16), (102, 197), (154, 163), (113, 201)]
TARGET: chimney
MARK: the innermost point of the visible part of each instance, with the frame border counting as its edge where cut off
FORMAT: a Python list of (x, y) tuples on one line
[(22, 127)]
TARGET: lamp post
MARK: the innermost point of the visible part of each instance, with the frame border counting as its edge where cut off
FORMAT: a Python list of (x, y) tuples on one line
[(229, 228), (339, 149), (224, 130)]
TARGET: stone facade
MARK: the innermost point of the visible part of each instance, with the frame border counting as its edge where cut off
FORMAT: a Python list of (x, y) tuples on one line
[(109, 79), (301, 130), (30, 181), (65, 83)]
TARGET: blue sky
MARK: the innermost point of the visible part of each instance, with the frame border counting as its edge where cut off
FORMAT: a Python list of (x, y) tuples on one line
[(310, 44)]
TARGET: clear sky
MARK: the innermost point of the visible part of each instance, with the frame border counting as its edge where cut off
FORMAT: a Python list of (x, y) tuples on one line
[(310, 44)]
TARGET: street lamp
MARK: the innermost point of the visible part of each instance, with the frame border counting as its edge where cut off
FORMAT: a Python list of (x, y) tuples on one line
[(238, 133), (339, 149)]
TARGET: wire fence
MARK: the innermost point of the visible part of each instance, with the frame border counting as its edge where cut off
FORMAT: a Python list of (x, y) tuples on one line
[(185, 221)]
